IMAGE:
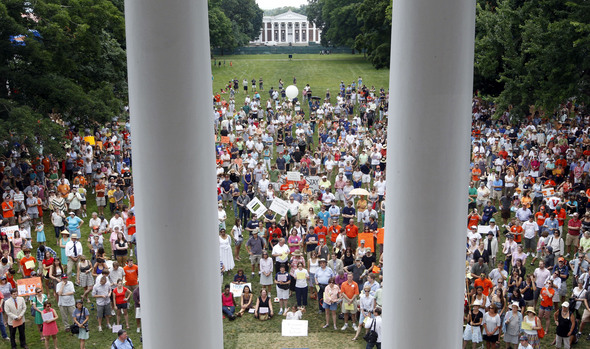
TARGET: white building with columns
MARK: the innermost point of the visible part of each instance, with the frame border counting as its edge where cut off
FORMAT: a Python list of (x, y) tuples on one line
[(287, 28)]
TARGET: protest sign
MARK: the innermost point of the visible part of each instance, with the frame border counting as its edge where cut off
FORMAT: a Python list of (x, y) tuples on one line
[(90, 140), (9, 231), (294, 328), (380, 235), (279, 206), (238, 289), (314, 182), (368, 237), (256, 207), (19, 197), (26, 287), (224, 140), (548, 192), (293, 176)]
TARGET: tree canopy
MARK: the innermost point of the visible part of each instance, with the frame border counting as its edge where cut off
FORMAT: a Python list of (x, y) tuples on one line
[(233, 23), (69, 66)]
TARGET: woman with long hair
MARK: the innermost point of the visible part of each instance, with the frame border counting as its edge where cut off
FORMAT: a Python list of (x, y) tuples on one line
[(245, 301), (84, 276), (50, 326), (263, 308), (46, 268), (492, 325), (81, 316), (313, 263), (37, 302), (121, 248), (238, 238), (122, 295), (348, 257), (55, 273)]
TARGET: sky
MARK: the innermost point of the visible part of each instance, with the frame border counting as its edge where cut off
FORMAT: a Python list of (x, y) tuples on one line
[(270, 4)]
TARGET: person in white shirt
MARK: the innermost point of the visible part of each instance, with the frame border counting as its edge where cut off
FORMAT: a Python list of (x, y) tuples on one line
[(73, 252), (280, 252), (294, 313), (375, 324), (530, 229)]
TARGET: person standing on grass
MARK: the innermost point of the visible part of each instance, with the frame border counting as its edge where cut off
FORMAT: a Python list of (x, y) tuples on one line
[(15, 309), (350, 293), (283, 281), (255, 246), (81, 316), (136, 301), (50, 325), (375, 324), (102, 293), (66, 303)]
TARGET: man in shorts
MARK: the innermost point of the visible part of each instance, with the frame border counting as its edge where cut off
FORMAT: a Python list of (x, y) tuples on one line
[(255, 245), (101, 201), (350, 294), (102, 293)]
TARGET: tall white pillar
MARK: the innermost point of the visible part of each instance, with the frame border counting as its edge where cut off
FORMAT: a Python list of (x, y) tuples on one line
[(174, 172), (272, 31), (432, 45)]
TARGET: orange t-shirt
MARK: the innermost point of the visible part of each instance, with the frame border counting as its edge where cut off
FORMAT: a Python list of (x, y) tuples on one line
[(473, 221), (321, 232), (23, 261), (517, 232), (350, 290), (475, 174), (541, 218), (130, 230), (131, 275), (486, 284), (334, 230), (352, 231), (8, 205), (547, 296)]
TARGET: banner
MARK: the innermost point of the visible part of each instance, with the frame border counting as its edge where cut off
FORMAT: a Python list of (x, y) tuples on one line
[(369, 241), (279, 206), (256, 207), (9, 231), (224, 140), (26, 287), (238, 289), (314, 182), (293, 176), (548, 192)]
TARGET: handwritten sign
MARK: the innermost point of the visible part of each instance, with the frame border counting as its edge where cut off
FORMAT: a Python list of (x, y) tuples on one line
[(293, 176), (224, 140), (9, 231), (294, 328), (314, 182), (19, 197), (279, 206), (256, 207), (238, 289), (380, 235), (26, 287), (548, 192)]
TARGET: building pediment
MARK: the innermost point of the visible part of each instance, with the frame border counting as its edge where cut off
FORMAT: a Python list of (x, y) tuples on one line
[(289, 16)]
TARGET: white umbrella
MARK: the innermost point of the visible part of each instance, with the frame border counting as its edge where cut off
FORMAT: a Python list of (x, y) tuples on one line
[(359, 191)]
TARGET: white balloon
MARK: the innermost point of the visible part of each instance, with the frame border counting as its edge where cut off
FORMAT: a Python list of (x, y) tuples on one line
[(291, 91)]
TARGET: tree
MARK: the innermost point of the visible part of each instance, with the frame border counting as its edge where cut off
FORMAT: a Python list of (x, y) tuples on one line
[(375, 36), (246, 19), (72, 65), (337, 19), (221, 34)]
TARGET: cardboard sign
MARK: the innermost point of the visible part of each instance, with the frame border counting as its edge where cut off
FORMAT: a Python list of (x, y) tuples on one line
[(224, 140), (380, 235), (369, 241), (19, 197), (90, 140), (293, 176), (279, 206), (26, 287), (238, 289), (9, 231), (294, 328), (548, 192), (314, 182), (256, 207)]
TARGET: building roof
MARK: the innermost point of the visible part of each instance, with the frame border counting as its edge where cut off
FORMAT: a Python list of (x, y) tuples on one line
[(287, 16)]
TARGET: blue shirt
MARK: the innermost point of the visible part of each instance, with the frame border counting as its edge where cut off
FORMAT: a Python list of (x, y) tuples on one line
[(324, 275), (325, 216), (73, 223), (117, 344)]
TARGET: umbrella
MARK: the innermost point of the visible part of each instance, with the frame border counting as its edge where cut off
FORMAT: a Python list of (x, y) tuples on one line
[(359, 191)]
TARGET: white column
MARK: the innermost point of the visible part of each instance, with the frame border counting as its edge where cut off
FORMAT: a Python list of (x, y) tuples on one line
[(174, 172), (272, 30), (428, 132)]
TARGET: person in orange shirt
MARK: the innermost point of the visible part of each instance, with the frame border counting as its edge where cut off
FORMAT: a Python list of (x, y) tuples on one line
[(130, 224), (8, 210), (350, 294), (352, 232), (23, 269), (541, 216), (473, 219), (546, 296), (131, 275), (320, 230), (475, 173), (561, 214), (516, 230), (485, 283), (334, 231)]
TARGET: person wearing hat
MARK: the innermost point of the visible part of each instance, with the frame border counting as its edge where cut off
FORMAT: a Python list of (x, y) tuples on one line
[(524, 343), (66, 301), (512, 324), (74, 223), (562, 271), (322, 276), (491, 247), (472, 332), (73, 252), (533, 325), (565, 320)]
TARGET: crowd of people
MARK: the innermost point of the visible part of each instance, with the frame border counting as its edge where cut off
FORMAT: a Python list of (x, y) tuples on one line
[(90, 269), (528, 229), (334, 144)]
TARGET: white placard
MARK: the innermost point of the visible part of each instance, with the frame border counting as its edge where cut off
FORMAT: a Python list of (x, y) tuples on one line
[(548, 192), (9, 231), (19, 197), (279, 206), (294, 328), (116, 328), (293, 176), (255, 206), (47, 316), (238, 289), (314, 182)]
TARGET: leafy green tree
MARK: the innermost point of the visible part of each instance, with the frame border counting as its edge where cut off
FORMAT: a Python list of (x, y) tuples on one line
[(375, 37), (74, 69), (221, 34), (337, 19), (246, 19)]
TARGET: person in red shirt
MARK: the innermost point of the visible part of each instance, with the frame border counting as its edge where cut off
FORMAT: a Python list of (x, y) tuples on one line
[(274, 234), (334, 231), (541, 216), (130, 223), (516, 230), (473, 219), (573, 234), (352, 232), (485, 283), (100, 196)]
